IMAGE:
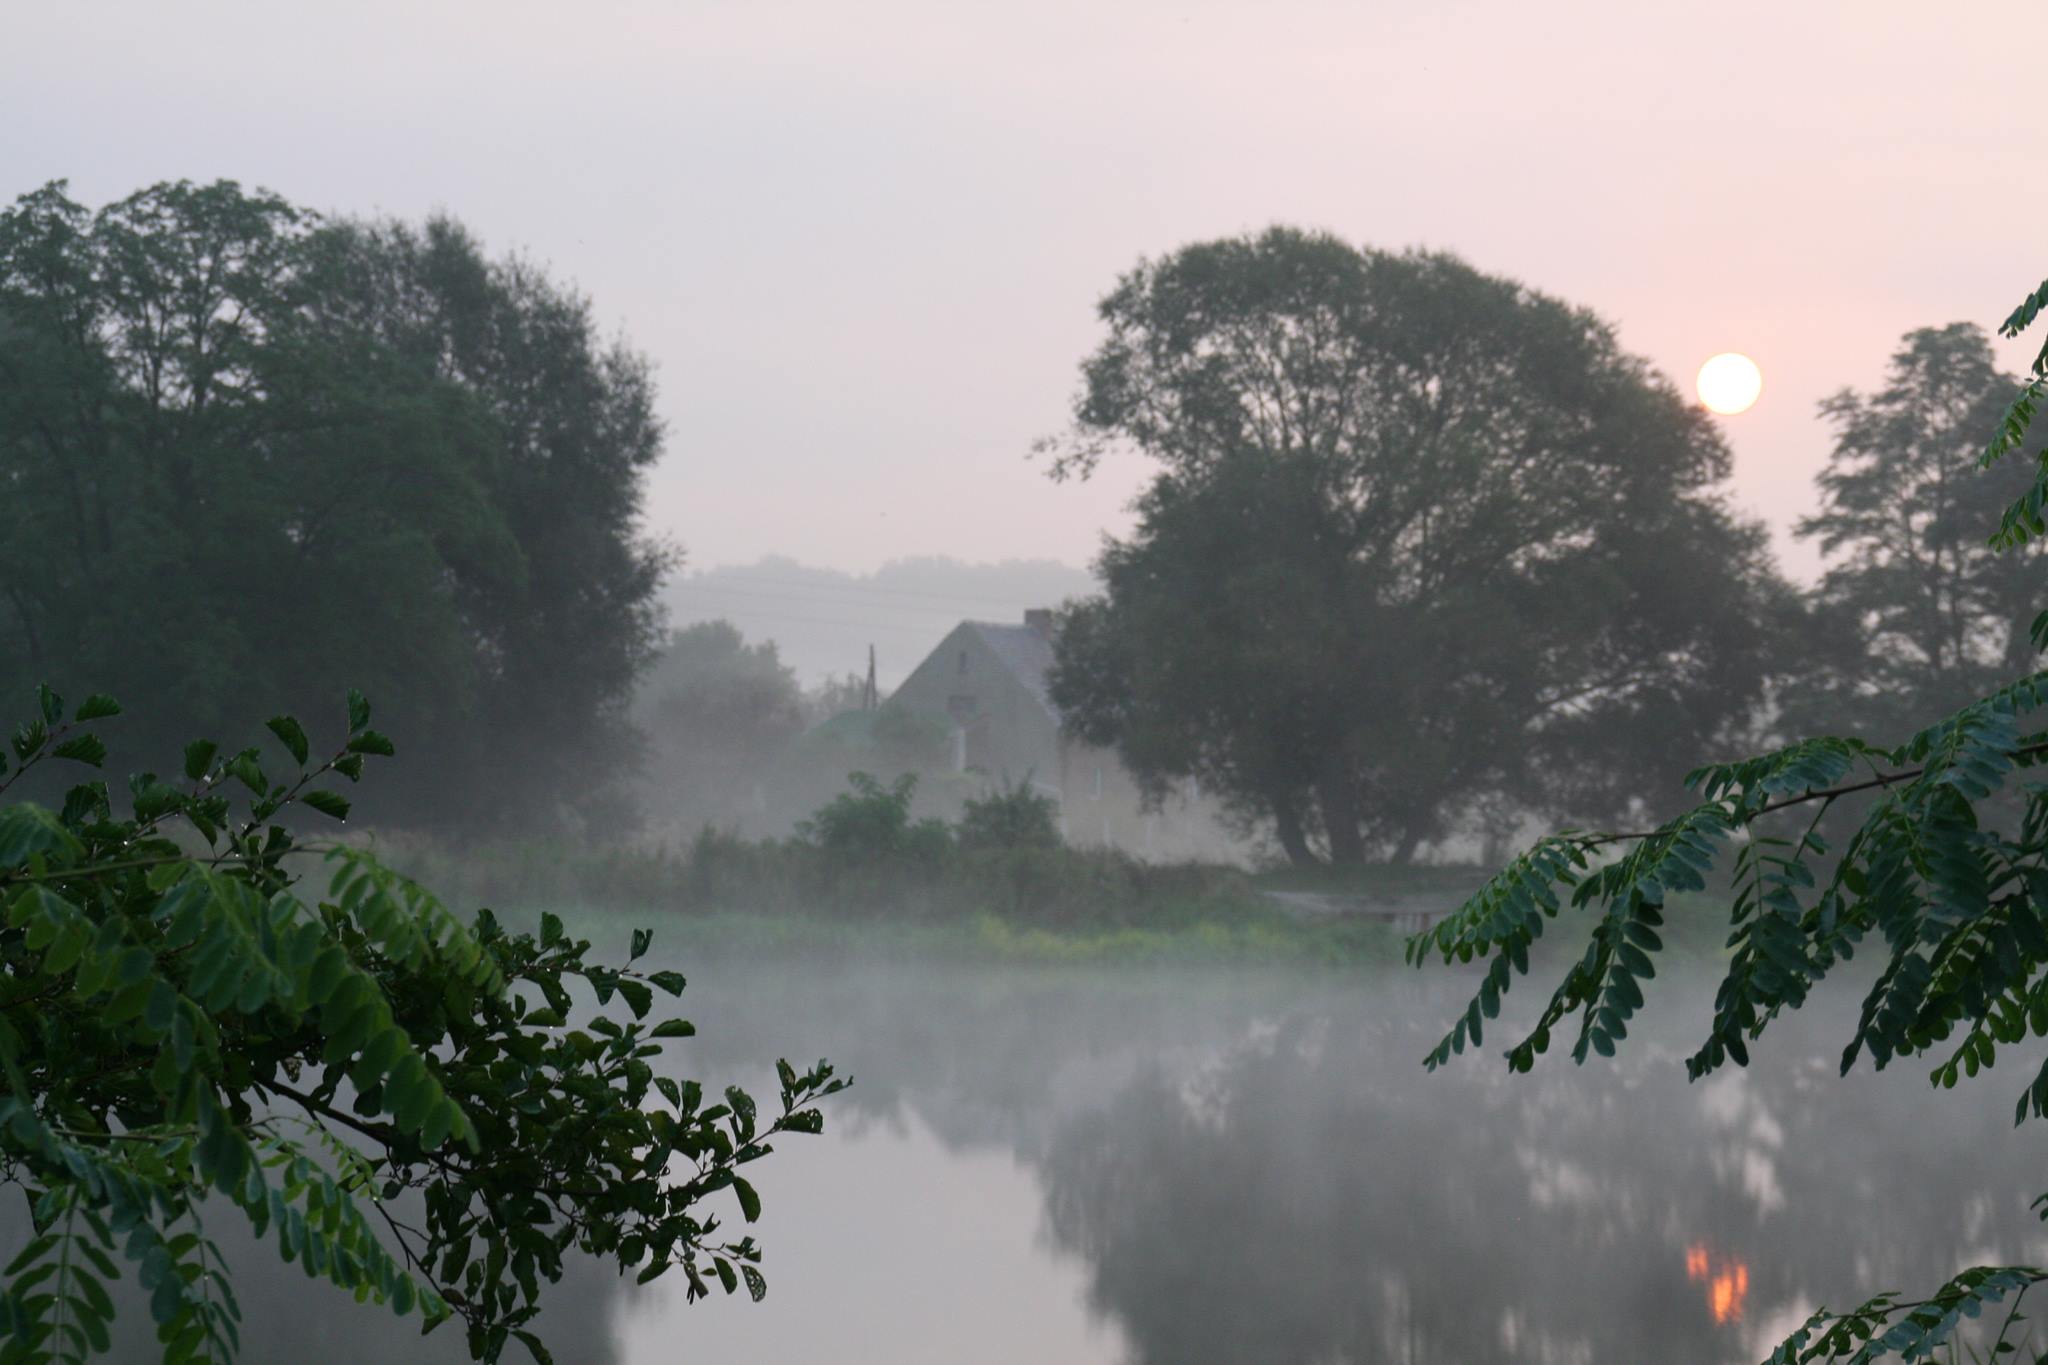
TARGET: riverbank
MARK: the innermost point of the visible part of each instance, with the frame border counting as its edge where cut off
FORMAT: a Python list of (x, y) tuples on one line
[(1048, 905)]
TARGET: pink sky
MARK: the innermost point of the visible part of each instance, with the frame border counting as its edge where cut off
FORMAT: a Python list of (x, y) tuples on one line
[(863, 240)]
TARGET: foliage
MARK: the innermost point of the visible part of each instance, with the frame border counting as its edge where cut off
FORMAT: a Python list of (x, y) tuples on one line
[(718, 712), (1426, 550), (890, 742), (930, 877), (222, 415), (1916, 612), (1015, 815), (185, 1038), (1947, 872), (872, 823)]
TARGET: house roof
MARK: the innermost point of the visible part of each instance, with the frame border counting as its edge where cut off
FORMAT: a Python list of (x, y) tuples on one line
[(1026, 652)]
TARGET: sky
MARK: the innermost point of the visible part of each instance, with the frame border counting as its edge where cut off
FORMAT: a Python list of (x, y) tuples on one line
[(862, 242)]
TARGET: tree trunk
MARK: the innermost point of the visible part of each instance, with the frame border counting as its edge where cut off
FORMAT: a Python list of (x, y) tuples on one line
[(1339, 802), (1404, 852), (1293, 840)]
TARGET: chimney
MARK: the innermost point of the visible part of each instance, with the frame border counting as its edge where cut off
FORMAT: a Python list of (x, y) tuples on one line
[(1040, 620)]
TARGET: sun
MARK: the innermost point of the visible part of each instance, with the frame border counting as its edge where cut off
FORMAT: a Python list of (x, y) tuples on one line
[(1730, 382)]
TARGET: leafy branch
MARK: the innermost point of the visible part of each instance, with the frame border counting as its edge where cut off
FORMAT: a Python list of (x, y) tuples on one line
[(166, 1003)]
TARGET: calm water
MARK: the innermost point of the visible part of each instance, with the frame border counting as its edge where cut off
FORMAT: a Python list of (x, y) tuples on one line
[(1109, 1166)]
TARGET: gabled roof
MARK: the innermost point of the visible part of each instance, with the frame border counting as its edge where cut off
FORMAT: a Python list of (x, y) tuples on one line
[(1026, 652)]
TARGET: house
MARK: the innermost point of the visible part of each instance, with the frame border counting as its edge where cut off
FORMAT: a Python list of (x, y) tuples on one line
[(990, 684)]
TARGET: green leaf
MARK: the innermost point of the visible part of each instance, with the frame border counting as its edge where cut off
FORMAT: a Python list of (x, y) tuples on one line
[(199, 758), (637, 996), (750, 1202), (371, 742), (641, 939), (87, 749), (674, 1028), (290, 735), (244, 768), (358, 711), (98, 706), (327, 803), (29, 738)]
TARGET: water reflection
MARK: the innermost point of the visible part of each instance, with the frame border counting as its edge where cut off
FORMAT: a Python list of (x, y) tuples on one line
[(1108, 1168), (1257, 1168), (1726, 1279)]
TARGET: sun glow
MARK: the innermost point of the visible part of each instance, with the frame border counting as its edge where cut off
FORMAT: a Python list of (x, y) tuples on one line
[(1726, 1278), (1730, 382)]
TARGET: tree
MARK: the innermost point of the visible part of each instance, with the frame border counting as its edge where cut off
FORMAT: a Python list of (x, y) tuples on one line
[(1426, 550), (560, 636), (1948, 868), (1918, 613), (718, 712), (221, 416), (185, 1038)]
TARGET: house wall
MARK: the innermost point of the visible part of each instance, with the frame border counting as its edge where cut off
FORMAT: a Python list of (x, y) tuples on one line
[(1006, 733)]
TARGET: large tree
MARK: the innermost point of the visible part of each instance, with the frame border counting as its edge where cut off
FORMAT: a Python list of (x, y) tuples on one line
[(1916, 612), (221, 416), (1426, 551)]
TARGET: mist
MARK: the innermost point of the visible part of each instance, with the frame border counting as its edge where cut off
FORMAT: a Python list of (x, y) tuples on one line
[(1146, 685)]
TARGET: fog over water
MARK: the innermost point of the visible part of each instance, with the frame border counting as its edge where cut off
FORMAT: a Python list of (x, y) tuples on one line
[(1193, 1166)]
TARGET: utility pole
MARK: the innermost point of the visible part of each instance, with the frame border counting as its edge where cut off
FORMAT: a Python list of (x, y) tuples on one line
[(870, 699)]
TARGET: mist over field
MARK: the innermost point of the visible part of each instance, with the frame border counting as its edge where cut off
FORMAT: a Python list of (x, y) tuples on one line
[(1144, 685)]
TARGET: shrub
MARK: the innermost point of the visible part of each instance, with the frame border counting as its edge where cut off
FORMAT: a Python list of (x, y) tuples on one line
[(872, 824), (1012, 816)]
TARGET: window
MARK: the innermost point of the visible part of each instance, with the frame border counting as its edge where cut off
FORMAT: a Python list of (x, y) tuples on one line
[(963, 661)]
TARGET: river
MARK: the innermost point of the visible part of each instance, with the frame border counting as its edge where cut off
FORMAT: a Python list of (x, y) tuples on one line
[(1138, 1167)]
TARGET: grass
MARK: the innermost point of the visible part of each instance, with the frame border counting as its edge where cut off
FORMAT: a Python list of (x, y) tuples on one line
[(1023, 905), (1255, 940), (1045, 905)]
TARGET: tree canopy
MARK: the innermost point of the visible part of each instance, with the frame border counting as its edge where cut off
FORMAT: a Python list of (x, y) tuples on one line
[(718, 713), (425, 1111), (1916, 612), (223, 416), (1945, 876), (1426, 550)]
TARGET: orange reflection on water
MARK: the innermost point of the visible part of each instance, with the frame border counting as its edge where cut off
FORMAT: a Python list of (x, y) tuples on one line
[(1726, 1278)]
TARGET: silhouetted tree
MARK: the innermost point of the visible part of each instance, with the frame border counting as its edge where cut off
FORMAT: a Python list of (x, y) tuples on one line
[(1426, 550), (221, 417), (1916, 612)]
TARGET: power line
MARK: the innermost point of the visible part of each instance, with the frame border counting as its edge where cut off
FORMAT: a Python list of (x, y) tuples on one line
[(708, 592), (708, 581), (759, 614)]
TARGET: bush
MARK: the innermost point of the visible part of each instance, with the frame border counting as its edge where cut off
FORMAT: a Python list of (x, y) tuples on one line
[(872, 824), (1010, 817)]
